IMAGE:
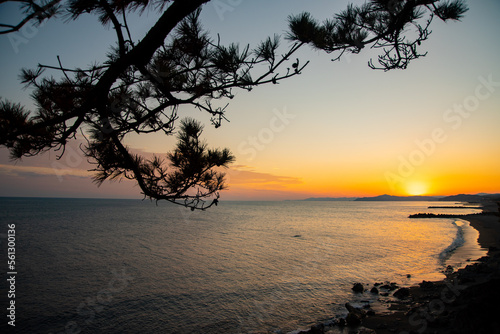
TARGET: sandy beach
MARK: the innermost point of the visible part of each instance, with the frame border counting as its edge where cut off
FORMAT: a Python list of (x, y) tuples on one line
[(465, 302)]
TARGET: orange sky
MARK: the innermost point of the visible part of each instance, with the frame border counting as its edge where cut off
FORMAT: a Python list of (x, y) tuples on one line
[(339, 129)]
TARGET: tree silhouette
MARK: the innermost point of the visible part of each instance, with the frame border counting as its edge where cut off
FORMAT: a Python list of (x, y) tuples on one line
[(143, 83)]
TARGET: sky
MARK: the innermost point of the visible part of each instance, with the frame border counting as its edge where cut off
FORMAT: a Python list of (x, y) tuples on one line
[(340, 129)]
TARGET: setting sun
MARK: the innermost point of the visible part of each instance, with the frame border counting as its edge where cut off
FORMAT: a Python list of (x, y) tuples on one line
[(416, 188)]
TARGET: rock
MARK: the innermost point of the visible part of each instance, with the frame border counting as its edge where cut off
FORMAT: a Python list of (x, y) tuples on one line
[(341, 322), (384, 294), (448, 270), (317, 329), (355, 315), (370, 313), (301, 332), (402, 293), (353, 309), (426, 285), (389, 287), (358, 287), (408, 276), (374, 290), (353, 319), (331, 323)]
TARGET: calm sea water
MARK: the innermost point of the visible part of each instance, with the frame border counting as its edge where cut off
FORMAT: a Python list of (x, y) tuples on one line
[(126, 266)]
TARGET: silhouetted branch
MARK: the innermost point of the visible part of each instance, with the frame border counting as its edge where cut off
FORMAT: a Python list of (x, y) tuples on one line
[(116, 26), (36, 11), (142, 84), (380, 23)]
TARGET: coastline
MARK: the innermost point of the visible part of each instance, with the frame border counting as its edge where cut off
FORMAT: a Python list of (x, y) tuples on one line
[(464, 302)]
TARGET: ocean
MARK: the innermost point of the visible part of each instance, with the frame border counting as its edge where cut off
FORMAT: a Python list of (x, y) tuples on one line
[(131, 266)]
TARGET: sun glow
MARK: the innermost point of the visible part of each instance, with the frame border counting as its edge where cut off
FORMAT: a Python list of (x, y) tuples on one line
[(417, 188)]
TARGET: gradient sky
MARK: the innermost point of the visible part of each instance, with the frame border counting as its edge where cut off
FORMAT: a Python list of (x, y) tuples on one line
[(339, 129)]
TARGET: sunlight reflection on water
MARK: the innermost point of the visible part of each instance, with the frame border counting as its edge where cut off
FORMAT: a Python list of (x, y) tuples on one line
[(245, 266)]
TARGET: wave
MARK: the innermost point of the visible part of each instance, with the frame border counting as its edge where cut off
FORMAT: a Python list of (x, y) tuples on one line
[(456, 243)]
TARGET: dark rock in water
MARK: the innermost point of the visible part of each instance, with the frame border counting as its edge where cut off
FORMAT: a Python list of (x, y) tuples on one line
[(353, 319), (377, 284), (408, 276), (297, 236), (370, 313), (355, 315), (384, 294), (356, 310), (331, 323), (402, 293), (374, 290), (341, 322), (353, 309), (426, 285), (358, 287), (389, 287), (448, 270), (317, 329)]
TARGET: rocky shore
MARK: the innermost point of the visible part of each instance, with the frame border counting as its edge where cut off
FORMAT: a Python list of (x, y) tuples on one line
[(446, 215), (465, 302)]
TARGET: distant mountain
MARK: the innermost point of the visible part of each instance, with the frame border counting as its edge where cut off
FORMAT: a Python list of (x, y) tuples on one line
[(495, 197), (400, 198), (463, 198), (389, 198), (339, 199), (488, 195)]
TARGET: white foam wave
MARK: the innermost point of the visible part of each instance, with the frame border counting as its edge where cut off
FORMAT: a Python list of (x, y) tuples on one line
[(456, 243)]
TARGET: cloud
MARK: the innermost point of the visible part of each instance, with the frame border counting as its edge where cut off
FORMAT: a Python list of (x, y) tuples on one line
[(72, 163), (243, 176), (70, 176), (57, 169)]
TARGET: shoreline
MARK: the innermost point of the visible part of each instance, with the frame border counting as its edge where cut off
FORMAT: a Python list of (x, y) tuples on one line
[(464, 302)]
